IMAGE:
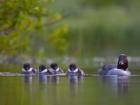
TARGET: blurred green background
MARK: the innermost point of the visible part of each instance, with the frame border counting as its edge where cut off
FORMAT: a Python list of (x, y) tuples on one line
[(86, 32)]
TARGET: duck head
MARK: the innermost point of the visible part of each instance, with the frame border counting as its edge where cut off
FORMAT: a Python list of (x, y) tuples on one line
[(122, 62), (42, 67), (54, 66), (72, 67), (26, 66)]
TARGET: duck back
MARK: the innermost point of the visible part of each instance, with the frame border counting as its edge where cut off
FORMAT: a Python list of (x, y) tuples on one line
[(106, 68)]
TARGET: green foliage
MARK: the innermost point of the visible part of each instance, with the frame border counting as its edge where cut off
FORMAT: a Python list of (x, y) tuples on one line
[(22, 23), (13, 44), (104, 3), (17, 19), (59, 39), (13, 12), (98, 27)]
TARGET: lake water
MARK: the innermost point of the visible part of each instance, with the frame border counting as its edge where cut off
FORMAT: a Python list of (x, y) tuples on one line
[(92, 90)]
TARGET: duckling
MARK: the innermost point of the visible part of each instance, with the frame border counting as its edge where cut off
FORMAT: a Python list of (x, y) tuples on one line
[(55, 69), (27, 68), (43, 70), (73, 70)]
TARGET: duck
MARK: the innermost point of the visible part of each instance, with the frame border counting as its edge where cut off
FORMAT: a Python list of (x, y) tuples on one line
[(73, 70), (27, 69), (105, 68), (43, 70), (121, 69), (55, 69)]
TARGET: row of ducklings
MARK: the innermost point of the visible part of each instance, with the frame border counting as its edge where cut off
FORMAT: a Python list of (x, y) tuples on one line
[(53, 69), (121, 69)]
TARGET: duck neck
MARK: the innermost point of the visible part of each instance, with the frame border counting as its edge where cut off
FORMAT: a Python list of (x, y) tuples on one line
[(29, 70), (75, 70)]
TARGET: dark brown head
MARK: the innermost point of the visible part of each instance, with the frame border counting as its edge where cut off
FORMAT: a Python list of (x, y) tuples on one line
[(42, 67), (54, 66), (122, 62), (72, 67), (26, 66)]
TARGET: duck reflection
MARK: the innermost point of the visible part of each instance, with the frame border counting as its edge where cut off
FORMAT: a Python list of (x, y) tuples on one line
[(27, 78), (55, 79), (122, 85), (74, 79), (119, 84), (43, 78), (74, 82), (48, 79)]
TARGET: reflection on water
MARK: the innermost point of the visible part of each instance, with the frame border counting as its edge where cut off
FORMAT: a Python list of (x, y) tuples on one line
[(118, 84), (54, 90), (48, 79), (74, 82), (123, 86), (27, 90), (43, 78), (27, 78), (55, 79)]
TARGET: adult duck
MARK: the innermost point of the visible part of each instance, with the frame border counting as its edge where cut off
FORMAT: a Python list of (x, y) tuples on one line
[(27, 69), (120, 70)]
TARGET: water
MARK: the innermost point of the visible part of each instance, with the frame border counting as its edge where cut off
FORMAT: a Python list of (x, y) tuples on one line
[(92, 90)]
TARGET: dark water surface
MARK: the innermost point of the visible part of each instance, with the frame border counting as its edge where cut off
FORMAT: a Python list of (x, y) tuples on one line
[(34, 90)]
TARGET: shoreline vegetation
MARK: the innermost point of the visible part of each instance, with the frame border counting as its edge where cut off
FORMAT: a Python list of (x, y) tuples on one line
[(72, 27)]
